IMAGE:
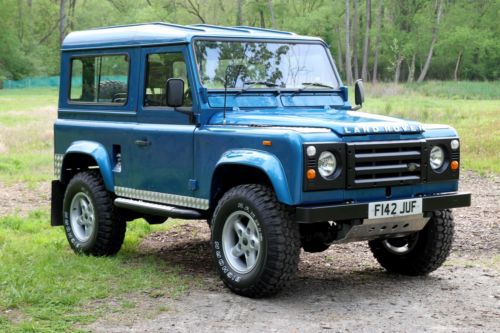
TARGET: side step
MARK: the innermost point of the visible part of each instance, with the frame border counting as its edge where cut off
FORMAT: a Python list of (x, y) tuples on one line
[(157, 209)]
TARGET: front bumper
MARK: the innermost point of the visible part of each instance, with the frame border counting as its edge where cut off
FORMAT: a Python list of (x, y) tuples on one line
[(311, 214)]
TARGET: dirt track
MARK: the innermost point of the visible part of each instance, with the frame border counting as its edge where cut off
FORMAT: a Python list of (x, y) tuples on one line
[(340, 290)]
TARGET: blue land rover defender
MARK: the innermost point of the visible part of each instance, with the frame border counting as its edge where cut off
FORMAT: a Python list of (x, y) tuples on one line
[(250, 129)]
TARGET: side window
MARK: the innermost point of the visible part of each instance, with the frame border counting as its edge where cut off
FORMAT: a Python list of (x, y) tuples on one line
[(99, 79), (160, 68)]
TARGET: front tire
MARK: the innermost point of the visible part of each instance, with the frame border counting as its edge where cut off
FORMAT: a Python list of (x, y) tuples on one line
[(421, 252), (90, 221), (255, 242)]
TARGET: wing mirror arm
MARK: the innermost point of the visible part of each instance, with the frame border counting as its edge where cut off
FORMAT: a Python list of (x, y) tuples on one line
[(175, 97), (359, 95)]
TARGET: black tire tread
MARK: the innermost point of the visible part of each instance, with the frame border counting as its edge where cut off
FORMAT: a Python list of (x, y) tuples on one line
[(283, 236), (110, 228), (432, 248)]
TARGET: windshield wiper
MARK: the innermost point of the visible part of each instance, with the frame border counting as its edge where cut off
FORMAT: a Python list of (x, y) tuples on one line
[(264, 83), (312, 84), (316, 84)]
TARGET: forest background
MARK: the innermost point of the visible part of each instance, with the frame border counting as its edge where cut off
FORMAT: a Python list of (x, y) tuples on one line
[(377, 40)]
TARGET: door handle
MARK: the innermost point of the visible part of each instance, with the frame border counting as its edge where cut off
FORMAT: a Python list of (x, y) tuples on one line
[(143, 142)]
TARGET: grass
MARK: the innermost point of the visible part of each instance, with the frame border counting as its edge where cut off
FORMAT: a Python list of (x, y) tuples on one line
[(476, 117), (26, 137), (458, 90), (44, 287), (26, 99), (461, 90)]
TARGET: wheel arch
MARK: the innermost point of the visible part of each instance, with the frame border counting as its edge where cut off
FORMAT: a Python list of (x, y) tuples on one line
[(84, 155), (239, 167)]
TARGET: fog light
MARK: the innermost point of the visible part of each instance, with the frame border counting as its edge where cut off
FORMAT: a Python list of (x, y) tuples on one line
[(454, 165), (311, 174), (454, 144)]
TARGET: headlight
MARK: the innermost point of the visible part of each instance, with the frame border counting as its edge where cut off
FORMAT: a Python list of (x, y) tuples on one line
[(327, 163), (436, 158)]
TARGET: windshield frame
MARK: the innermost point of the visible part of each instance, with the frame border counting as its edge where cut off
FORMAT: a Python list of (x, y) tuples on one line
[(267, 40)]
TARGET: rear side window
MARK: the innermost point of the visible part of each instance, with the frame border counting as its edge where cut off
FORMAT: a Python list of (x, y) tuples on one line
[(99, 79)]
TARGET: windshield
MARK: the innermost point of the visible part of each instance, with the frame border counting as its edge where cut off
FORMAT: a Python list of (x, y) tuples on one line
[(247, 65)]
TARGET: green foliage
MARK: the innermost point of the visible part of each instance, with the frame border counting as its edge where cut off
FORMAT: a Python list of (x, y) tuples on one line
[(467, 34)]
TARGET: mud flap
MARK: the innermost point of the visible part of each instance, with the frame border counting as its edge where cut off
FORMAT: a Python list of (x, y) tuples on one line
[(56, 204)]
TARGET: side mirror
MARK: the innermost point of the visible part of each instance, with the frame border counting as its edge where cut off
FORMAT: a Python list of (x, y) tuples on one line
[(175, 92), (359, 94)]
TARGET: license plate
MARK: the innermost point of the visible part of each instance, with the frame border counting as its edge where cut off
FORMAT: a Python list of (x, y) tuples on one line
[(381, 209)]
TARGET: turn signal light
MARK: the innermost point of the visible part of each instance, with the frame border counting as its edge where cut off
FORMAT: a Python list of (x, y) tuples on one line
[(311, 174), (267, 143), (454, 165)]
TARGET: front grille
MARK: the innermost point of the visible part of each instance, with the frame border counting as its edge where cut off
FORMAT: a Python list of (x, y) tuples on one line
[(377, 164)]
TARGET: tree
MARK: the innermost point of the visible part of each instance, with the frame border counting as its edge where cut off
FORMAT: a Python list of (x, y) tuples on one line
[(366, 47), (340, 64), (348, 67), (380, 14), (239, 12), (403, 40), (271, 11), (259, 7), (62, 20), (435, 29), (355, 32), (194, 7)]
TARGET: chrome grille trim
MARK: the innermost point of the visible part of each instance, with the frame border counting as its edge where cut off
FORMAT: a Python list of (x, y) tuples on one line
[(386, 163)]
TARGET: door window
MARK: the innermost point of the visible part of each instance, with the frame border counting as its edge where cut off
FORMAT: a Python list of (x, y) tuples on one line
[(160, 68)]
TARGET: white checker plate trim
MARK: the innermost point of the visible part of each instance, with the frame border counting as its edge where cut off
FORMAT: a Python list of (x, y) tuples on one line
[(58, 160), (164, 198)]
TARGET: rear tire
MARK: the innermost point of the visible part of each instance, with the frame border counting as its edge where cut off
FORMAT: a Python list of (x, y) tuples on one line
[(90, 221), (419, 253), (255, 242)]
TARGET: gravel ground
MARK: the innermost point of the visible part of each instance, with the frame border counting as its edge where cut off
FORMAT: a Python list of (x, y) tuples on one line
[(340, 290)]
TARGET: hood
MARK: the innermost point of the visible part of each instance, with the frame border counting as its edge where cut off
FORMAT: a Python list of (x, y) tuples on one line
[(342, 122)]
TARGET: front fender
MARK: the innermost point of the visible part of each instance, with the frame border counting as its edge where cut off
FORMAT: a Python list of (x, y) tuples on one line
[(99, 154), (264, 161)]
